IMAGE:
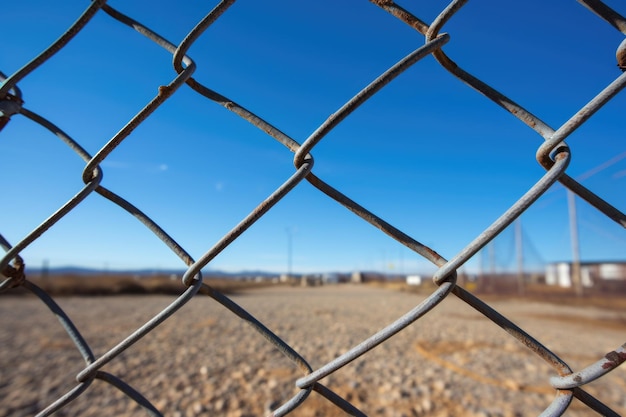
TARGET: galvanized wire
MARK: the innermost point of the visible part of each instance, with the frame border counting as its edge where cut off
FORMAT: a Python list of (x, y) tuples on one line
[(553, 154)]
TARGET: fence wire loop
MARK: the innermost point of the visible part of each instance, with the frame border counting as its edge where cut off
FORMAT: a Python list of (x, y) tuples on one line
[(9, 105), (553, 154), (13, 274), (577, 379)]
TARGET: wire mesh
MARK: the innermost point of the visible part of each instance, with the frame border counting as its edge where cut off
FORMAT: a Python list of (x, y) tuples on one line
[(553, 155)]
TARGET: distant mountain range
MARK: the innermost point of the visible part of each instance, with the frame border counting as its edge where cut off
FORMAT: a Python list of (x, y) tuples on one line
[(77, 270)]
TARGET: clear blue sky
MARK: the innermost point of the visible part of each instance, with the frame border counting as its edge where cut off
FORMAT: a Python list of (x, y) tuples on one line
[(427, 154)]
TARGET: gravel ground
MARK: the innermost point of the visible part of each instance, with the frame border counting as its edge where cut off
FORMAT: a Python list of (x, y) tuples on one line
[(206, 361)]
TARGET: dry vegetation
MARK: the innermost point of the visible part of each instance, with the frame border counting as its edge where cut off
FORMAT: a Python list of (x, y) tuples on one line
[(117, 284)]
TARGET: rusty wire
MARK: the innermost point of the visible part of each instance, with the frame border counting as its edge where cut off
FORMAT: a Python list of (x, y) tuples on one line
[(553, 154)]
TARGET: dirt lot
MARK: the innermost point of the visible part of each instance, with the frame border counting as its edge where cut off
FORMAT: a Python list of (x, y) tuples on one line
[(206, 361)]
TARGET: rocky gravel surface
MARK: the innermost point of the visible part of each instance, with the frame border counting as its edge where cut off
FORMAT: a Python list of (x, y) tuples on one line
[(206, 361)]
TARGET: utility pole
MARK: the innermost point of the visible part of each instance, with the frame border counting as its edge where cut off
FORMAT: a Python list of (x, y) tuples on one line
[(573, 227), (491, 247), (519, 245), (481, 279)]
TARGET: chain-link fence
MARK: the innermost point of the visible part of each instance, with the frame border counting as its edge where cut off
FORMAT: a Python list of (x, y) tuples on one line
[(553, 155)]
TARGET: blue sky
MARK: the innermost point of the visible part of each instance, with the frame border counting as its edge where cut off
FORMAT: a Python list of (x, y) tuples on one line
[(428, 154)]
